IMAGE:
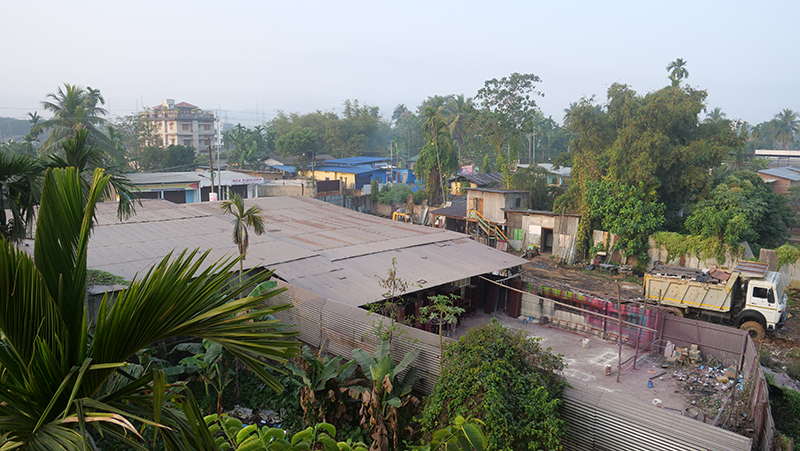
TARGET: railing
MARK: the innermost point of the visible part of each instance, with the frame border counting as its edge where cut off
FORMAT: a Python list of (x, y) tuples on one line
[(475, 215)]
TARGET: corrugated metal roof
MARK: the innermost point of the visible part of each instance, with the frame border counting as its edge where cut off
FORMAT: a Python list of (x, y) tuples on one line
[(328, 250), (495, 190), (358, 160), (484, 179), (784, 173), (345, 169), (458, 208)]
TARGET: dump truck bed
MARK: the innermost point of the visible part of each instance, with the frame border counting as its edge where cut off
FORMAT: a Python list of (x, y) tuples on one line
[(682, 287)]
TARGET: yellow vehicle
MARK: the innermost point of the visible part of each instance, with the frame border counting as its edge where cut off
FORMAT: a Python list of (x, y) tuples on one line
[(402, 217)]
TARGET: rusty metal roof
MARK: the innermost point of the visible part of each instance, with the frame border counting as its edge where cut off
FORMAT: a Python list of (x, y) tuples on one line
[(331, 251)]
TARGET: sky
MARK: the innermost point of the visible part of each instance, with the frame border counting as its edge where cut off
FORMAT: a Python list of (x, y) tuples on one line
[(251, 59)]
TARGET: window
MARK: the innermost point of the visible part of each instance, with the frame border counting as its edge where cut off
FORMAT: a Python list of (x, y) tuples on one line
[(159, 125), (171, 126), (186, 127), (187, 142), (172, 140), (518, 202), (206, 127), (759, 292)]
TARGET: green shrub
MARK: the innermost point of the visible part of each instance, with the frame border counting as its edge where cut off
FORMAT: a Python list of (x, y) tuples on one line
[(787, 254), (504, 379), (420, 196), (394, 193)]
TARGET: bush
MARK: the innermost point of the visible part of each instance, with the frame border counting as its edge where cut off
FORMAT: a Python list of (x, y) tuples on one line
[(504, 379), (394, 193), (420, 196)]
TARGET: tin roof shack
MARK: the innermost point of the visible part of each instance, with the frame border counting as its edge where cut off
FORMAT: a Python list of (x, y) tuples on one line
[(554, 233), (462, 181)]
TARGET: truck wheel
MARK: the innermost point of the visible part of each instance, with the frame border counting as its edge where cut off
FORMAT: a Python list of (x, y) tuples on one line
[(754, 329)]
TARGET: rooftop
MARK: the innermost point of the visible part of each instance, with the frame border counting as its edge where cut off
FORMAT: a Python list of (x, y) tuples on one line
[(788, 173), (344, 169), (358, 160), (483, 179), (328, 250), (496, 190)]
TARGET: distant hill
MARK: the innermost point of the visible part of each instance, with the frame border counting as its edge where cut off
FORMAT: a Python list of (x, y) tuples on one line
[(13, 128)]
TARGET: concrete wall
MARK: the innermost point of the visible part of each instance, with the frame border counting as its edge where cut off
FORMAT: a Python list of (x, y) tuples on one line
[(279, 188), (692, 261), (564, 230), (494, 203)]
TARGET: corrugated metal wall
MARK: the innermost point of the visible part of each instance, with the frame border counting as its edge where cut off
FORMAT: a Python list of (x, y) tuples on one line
[(342, 328), (601, 421), (723, 343)]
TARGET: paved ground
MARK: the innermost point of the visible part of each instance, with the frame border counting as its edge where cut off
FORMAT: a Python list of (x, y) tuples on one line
[(587, 365)]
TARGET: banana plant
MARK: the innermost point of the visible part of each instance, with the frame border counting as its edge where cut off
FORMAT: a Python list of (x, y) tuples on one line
[(381, 403), (317, 397), (462, 435), (231, 434)]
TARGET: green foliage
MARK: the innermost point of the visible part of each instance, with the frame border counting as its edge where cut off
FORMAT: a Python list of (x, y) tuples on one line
[(322, 379), (443, 312), (654, 142), (741, 208), (374, 191), (358, 129), (785, 404), (300, 141), (438, 158), (486, 167), (787, 254), (678, 245), (247, 147), (394, 193), (386, 402), (507, 111), (626, 211), (462, 435), (99, 277), (173, 158), (60, 380), (230, 434), (19, 193), (533, 179), (506, 380), (420, 196)]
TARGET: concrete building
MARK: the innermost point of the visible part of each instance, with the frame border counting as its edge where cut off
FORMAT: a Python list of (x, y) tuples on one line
[(780, 180), (492, 203), (183, 124), (460, 182), (191, 187)]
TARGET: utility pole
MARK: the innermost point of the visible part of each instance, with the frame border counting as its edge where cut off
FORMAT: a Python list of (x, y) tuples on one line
[(211, 167)]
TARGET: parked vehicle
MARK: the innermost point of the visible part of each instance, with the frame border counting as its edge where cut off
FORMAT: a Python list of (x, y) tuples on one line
[(749, 297)]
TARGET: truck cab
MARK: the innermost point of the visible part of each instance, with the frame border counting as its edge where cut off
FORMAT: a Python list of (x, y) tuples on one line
[(767, 296)]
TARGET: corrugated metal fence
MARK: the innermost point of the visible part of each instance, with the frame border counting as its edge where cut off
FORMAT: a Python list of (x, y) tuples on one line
[(601, 421), (342, 328)]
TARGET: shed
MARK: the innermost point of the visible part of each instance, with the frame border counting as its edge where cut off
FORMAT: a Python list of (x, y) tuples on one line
[(554, 233)]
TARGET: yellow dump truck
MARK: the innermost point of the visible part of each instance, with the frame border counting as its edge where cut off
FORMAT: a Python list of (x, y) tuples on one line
[(749, 297)]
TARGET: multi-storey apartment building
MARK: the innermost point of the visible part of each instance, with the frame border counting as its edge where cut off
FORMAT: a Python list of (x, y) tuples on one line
[(183, 124)]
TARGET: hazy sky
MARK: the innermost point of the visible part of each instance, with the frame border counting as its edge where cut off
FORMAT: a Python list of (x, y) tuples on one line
[(301, 56)]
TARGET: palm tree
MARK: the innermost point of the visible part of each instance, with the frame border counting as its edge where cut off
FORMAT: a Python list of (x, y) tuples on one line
[(569, 113), (61, 384), (785, 125), (73, 108), (458, 111), (19, 193), (715, 116), (677, 71), (78, 153), (242, 219)]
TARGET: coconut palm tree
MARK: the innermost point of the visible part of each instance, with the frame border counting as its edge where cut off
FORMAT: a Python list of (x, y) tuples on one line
[(458, 111), (78, 153), (785, 125), (677, 71), (715, 116), (61, 384), (73, 108), (242, 219)]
